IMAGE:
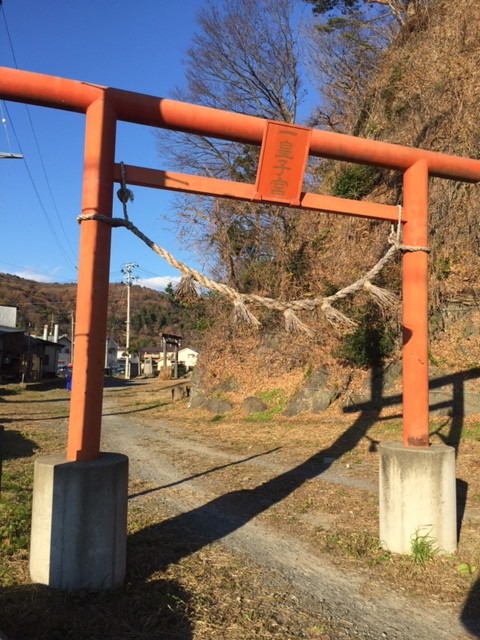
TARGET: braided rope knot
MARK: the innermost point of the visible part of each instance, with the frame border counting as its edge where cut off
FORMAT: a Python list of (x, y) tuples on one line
[(242, 314)]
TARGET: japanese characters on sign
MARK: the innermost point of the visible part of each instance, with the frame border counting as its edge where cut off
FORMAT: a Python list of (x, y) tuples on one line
[(282, 163)]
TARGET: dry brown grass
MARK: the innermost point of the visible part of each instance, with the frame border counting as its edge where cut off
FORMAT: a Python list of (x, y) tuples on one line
[(342, 521), (211, 593)]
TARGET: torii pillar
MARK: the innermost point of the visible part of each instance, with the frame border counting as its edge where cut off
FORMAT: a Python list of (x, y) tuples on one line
[(417, 481), (79, 513), (80, 502)]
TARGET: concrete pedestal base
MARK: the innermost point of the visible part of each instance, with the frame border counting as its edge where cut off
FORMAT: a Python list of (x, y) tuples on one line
[(79, 522), (417, 496)]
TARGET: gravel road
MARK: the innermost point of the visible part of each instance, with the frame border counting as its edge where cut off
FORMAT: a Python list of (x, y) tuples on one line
[(162, 454)]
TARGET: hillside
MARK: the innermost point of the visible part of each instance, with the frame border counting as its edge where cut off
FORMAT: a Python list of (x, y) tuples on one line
[(422, 94), (152, 312)]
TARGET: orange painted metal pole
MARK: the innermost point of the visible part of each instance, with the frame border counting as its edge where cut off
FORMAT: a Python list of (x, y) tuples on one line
[(92, 288), (72, 95), (415, 307), (202, 185)]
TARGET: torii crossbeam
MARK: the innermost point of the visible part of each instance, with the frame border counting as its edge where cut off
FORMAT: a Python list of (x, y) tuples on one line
[(104, 106), (81, 501)]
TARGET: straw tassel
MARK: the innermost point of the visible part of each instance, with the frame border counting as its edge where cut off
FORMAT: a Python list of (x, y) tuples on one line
[(335, 317), (384, 298), (243, 315), (186, 290), (293, 324)]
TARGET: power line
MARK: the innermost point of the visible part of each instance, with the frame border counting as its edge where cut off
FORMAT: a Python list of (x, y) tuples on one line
[(67, 257), (2, 10)]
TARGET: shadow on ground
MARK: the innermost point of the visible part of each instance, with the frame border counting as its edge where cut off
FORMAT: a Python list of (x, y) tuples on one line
[(471, 611), (229, 512), (13, 444), (158, 609)]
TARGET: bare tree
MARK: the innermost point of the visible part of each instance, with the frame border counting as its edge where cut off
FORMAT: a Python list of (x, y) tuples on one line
[(341, 60), (244, 58), (344, 50), (400, 10)]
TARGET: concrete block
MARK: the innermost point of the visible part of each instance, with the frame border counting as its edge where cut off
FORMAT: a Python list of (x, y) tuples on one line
[(417, 495), (79, 522)]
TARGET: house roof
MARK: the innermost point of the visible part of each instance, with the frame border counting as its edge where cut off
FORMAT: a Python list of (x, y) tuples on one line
[(40, 341), (4, 330)]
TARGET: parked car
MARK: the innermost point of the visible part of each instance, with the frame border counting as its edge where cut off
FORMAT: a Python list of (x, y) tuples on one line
[(118, 370)]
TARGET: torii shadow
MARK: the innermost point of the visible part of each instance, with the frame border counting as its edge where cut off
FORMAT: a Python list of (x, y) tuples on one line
[(451, 405), (227, 513)]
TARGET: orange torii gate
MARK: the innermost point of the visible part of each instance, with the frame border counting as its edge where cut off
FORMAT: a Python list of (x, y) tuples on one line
[(284, 151)]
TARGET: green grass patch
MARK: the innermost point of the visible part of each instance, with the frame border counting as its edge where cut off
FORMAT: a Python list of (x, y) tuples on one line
[(276, 401), (471, 430), (15, 509), (423, 547)]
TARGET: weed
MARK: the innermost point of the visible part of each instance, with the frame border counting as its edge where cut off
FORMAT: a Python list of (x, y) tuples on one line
[(308, 372), (217, 417), (369, 344), (15, 512), (276, 400), (316, 631), (359, 545), (320, 239), (422, 547), (271, 396), (442, 268), (466, 569)]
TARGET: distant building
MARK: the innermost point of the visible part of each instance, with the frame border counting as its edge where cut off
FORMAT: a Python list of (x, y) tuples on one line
[(134, 361), (8, 316), (11, 352), (188, 357), (65, 355), (111, 354), (25, 358)]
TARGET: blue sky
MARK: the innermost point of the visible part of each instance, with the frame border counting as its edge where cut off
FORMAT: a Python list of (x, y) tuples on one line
[(138, 46)]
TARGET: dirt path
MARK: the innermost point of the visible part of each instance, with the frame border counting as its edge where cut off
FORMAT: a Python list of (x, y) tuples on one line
[(188, 474)]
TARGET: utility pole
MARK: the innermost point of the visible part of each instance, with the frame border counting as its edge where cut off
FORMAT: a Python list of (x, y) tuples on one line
[(127, 271)]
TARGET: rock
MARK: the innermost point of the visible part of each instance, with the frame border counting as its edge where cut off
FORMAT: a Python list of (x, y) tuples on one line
[(380, 380), (253, 405), (447, 402), (197, 398), (229, 384), (197, 395), (322, 399), (315, 396), (217, 406)]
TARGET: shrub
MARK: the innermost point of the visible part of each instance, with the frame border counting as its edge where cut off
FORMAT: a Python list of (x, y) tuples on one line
[(355, 182), (370, 343)]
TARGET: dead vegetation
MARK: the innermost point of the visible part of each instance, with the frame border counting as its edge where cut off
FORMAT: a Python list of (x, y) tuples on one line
[(208, 592)]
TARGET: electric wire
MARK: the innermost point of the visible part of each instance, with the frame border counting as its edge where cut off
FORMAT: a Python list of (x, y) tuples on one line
[(50, 225), (4, 123), (70, 259)]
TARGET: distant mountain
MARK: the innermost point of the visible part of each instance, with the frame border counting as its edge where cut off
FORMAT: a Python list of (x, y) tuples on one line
[(151, 312)]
